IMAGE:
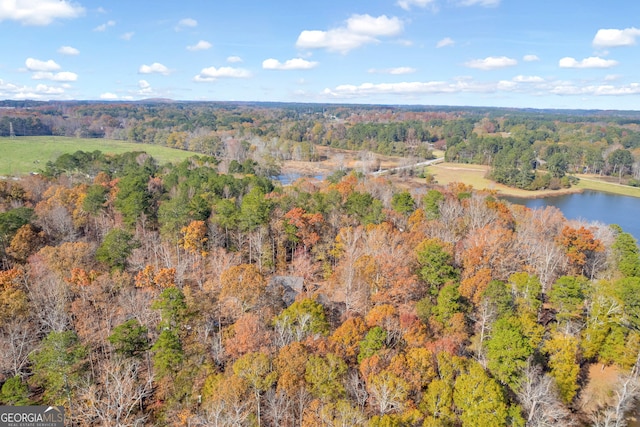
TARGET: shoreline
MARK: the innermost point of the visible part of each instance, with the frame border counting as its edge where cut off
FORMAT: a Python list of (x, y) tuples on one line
[(543, 194), (474, 175)]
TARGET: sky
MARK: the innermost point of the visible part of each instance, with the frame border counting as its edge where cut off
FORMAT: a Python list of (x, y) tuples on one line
[(506, 53)]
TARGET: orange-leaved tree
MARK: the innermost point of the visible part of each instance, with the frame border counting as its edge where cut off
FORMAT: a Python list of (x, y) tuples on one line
[(579, 244)]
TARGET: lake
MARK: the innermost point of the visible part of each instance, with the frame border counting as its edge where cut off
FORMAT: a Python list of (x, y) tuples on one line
[(593, 206)]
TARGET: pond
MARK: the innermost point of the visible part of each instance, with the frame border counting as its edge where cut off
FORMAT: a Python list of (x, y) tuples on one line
[(289, 178), (593, 206)]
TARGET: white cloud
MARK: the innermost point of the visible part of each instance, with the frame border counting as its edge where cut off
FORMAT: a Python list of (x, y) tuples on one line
[(290, 64), (616, 38), (528, 79), (212, 74), (564, 88), (186, 23), (103, 27), (201, 45), (108, 96), (358, 31), (339, 40), (145, 87), (393, 71), (612, 77), (127, 36), (370, 26), (37, 65), (41, 91), (491, 63), (630, 89), (49, 90), (530, 58), (406, 4), (447, 41), (410, 88), (485, 3), (68, 50), (63, 76), (156, 67), (234, 59), (41, 12), (591, 62), (506, 85), (533, 85)]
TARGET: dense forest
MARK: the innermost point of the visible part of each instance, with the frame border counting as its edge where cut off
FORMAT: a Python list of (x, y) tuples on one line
[(135, 293), (528, 149)]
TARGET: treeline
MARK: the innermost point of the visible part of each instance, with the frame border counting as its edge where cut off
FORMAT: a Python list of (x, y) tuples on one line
[(176, 295), (526, 148), (534, 154)]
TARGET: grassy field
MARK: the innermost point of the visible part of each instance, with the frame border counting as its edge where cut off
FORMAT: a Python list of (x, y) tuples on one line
[(446, 173), (590, 182), (19, 156)]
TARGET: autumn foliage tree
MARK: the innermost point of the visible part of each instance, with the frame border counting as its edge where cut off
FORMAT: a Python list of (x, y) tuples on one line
[(579, 244)]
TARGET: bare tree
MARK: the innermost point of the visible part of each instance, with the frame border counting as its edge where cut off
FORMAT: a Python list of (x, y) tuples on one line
[(535, 243), (623, 399), (598, 261), (356, 388), (387, 392), (257, 240), (478, 213), (483, 318), (49, 296), (116, 399), (17, 340), (300, 401), (449, 227), (367, 161), (347, 285), (540, 400), (223, 413), (56, 222), (277, 408)]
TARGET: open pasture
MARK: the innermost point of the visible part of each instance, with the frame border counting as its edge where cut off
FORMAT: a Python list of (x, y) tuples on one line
[(23, 155)]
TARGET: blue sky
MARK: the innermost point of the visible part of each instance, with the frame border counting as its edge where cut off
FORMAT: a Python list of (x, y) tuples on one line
[(510, 53)]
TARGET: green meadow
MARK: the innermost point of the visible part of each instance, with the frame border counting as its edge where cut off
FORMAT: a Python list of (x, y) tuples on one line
[(22, 155)]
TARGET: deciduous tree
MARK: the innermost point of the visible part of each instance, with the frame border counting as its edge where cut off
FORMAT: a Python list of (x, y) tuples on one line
[(479, 399), (579, 244), (255, 369), (563, 354), (242, 287), (388, 392), (301, 319), (325, 376)]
